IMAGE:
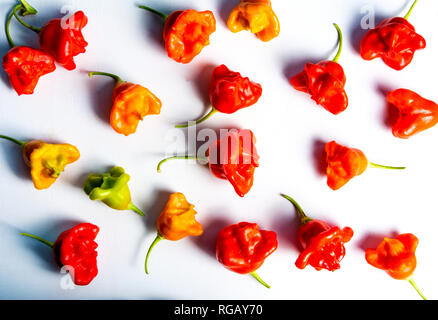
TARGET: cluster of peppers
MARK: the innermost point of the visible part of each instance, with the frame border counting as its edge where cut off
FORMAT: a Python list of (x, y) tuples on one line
[(241, 247)]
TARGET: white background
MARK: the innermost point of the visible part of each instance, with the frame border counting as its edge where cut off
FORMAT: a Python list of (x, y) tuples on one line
[(290, 129)]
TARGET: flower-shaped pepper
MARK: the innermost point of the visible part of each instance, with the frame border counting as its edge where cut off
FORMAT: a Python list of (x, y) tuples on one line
[(186, 33), (243, 248), (415, 114), (233, 158), (75, 250), (175, 222), (343, 164), (112, 189), (396, 257), (322, 245), (256, 16), (229, 92), (131, 103), (394, 40), (46, 161)]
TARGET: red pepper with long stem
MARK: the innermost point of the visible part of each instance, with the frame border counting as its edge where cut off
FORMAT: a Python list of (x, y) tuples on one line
[(325, 82), (75, 249), (186, 33), (322, 245)]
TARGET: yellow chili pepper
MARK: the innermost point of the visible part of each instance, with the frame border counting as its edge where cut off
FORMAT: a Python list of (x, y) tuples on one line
[(176, 222), (256, 16)]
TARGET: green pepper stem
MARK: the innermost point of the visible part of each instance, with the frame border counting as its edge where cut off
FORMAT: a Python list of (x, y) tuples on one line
[(34, 29), (175, 158), (341, 41), (208, 115), (20, 143), (379, 166), (158, 13), (412, 282), (8, 23), (301, 215), (47, 243), (256, 276), (158, 238), (111, 75), (27, 8), (132, 207), (410, 10)]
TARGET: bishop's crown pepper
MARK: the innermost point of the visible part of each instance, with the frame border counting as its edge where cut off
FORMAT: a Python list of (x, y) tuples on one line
[(75, 250), (256, 16), (233, 158), (229, 92), (396, 257), (175, 222), (324, 82), (343, 164), (186, 33), (322, 246), (112, 189), (394, 40), (415, 114), (131, 103), (243, 248), (46, 161), (25, 65)]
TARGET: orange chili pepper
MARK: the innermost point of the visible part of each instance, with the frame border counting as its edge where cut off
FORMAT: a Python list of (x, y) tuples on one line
[(131, 103), (256, 16), (175, 222)]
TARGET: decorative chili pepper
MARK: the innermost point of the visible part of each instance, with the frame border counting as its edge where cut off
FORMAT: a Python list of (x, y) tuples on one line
[(345, 163), (243, 248), (233, 158), (175, 222), (186, 33), (112, 189), (46, 161), (396, 257), (75, 249), (415, 114), (229, 92), (131, 103), (394, 40), (25, 65), (325, 82), (256, 16), (322, 245)]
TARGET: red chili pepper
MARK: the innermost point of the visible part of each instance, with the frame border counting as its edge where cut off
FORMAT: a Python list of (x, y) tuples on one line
[(394, 40), (343, 164), (229, 92), (415, 114), (243, 248), (396, 257), (233, 158), (75, 249), (186, 33), (322, 245), (325, 82)]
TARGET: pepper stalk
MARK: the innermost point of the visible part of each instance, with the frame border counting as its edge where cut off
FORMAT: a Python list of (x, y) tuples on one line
[(300, 212), (158, 13), (178, 158), (410, 10), (157, 239), (341, 42)]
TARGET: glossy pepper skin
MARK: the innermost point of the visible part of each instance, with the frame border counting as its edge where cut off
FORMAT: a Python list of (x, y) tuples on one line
[(176, 221), (415, 114), (256, 16), (112, 189), (75, 249), (64, 40), (322, 246)]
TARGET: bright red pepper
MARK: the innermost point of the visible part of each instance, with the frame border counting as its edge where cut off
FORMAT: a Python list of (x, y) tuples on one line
[(415, 114), (64, 40), (325, 82), (233, 158), (186, 33), (243, 248), (75, 249), (322, 245), (394, 40)]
